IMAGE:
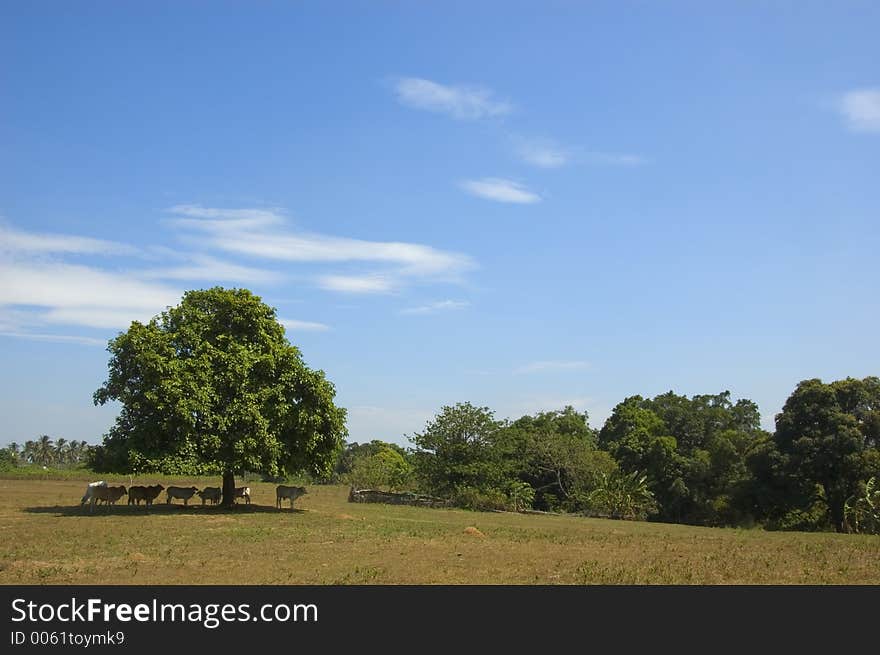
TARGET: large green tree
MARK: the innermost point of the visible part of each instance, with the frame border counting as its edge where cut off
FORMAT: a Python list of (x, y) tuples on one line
[(459, 450), (213, 386), (693, 450), (828, 435), (555, 453)]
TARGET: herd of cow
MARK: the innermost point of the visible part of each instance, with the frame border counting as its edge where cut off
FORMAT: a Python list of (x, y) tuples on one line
[(100, 491)]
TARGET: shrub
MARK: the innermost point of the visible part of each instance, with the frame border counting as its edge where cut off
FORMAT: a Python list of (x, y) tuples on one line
[(479, 499), (7, 460), (623, 496), (862, 511)]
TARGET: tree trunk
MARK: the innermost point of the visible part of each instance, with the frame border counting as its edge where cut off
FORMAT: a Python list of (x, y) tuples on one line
[(228, 489)]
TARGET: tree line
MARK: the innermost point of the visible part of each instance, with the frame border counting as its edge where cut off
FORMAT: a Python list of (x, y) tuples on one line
[(44, 451), (214, 387), (703, 460)]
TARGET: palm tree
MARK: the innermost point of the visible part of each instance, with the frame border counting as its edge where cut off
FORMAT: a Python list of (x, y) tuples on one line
[(28, 453), (62, 450), (73, 451), (44, 452), (15, 451)]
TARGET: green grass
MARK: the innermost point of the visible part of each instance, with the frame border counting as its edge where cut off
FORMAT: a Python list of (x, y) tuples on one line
[(48, 539)]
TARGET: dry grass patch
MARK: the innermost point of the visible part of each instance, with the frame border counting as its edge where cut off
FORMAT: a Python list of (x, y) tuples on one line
[(48, 539)]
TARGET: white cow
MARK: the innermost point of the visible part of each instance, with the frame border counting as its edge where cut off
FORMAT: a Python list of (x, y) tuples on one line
[(90, 491), (282, 491), (184, 493)]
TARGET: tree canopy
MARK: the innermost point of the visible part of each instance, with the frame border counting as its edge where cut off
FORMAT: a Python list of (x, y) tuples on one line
[(827, 436), (213, 386)]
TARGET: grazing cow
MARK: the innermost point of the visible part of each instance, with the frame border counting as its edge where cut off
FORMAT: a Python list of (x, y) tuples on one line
[(108, 494), (147, 494), (282, 491), (242, 492), (90, 490), (210, 493), (185, 493)]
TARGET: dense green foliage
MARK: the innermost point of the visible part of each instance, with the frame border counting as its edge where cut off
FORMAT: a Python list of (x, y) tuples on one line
[(462, 449), (703, 460), (384, 466), (692, 450), (827, 438), (213, 386)]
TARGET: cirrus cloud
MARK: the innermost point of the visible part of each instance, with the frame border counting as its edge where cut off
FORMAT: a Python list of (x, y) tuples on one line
[(500, 190), (460, 102), (861, 109)]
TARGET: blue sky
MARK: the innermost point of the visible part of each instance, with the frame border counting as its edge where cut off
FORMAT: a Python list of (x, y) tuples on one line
[(521, 205)]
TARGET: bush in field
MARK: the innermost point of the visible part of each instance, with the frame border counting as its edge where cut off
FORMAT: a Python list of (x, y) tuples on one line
[(386, 469), (555, 453), (520, 495), (623, 496), (7, 460), (481, 500), (461, 448), (812, 517), (862, 511)]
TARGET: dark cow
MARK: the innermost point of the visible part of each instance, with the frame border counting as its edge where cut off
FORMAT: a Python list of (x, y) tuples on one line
[(210, 493), (147, 494)]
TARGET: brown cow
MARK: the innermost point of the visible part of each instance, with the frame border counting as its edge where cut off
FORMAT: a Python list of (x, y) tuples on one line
[(108, 494)]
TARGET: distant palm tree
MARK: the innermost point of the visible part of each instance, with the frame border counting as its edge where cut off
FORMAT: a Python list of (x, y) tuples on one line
[(15, 450), (28, 453), (84, 448), (44, 451), (62, 450)]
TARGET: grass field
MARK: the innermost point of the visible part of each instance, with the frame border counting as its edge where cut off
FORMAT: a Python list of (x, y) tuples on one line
[(46, 538)]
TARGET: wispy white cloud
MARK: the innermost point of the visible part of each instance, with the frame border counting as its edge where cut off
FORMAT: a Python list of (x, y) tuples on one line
[(542, 366), (542, 153), (500, 190), (204, 267), (614, 159), (39, 286), (461, 102), (60, 338), (239, 218), (98, 316), (17, 241), (435, 307), (356, 283), (53, 284), (547, 153), (57, 292), (861, 109), (266, 235), (303, 326)]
